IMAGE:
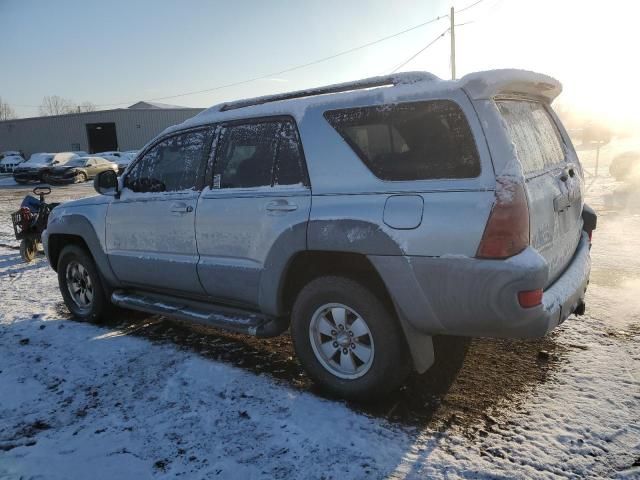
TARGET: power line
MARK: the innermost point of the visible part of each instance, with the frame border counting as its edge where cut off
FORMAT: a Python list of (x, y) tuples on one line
[(469, 6), (296, 67), (420, 51), (290, 69)]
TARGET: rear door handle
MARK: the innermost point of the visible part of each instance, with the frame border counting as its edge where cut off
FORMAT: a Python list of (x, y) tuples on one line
[(181, 208), (561, 203), (281, 206)]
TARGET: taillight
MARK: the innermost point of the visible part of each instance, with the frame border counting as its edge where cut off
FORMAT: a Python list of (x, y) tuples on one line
[(507, 230), (530, 298)]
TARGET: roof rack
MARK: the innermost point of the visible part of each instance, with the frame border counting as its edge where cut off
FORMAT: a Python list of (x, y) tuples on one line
[(404, 78)]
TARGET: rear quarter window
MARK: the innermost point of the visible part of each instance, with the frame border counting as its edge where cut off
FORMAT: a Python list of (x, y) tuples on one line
[(533, 133), (410, 141)]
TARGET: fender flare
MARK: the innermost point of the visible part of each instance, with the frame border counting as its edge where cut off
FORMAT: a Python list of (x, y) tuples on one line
[(80, 226)]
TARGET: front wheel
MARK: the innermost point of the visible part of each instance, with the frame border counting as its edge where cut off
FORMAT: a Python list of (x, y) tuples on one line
[(28, 249), (347, 340), (80, 284), (81, 178)]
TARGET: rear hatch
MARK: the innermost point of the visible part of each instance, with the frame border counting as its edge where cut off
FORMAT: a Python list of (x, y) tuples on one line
[(553, 179)]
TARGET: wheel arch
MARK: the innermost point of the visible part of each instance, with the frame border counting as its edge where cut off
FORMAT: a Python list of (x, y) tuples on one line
[(310, 264), (76, 229)]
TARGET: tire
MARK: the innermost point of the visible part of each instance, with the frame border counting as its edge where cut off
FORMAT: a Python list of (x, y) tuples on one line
[(363, 377), (81, 177), (28, 249), (89, 303)]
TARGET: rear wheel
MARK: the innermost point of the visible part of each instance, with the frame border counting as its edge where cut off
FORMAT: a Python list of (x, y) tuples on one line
[(28, 249), (347, 340), (80, 284)]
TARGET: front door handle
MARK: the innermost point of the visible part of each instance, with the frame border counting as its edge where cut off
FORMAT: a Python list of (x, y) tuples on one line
[(281, 206), (181, 208)]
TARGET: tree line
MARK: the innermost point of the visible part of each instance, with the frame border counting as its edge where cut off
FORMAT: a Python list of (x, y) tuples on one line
[(51, 105)]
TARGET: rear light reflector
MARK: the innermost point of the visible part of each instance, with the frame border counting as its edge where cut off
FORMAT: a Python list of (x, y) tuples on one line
[(530, 298), (507, 230), (590, 233)]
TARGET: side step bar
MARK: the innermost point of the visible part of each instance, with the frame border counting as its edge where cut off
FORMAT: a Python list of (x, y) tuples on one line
[(219, 316)]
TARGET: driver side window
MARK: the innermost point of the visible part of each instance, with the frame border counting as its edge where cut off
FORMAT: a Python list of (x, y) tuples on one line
[(172, 165)]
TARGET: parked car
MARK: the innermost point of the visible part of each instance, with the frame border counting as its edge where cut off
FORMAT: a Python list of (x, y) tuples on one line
[(625, 166), (126, 159), (29, 171), (78, 170), (10, 162), (365, 217), (37, 165), (122, 159)]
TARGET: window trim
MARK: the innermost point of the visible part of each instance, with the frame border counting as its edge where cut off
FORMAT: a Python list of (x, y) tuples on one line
[(215, 152), (356, 150), (200, 180)]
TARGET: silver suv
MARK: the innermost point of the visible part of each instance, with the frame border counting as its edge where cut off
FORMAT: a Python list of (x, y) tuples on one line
[(365, 217)]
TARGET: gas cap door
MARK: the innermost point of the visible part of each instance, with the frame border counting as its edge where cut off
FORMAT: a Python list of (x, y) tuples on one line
[(403, 212)]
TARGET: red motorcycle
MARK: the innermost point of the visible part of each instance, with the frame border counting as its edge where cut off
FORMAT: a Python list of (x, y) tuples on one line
[(30, 221)]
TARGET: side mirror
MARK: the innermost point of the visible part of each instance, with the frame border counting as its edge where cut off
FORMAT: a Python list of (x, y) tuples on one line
[(106, 183)]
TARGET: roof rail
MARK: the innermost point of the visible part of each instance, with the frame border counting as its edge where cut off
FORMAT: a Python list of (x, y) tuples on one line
[(404, 78)]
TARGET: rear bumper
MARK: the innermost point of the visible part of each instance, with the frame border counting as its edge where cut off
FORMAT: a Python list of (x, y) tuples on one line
[(473, 297)]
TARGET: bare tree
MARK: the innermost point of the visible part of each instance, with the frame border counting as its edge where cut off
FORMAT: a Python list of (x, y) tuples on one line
[(55, 105), (6, 112), (86, 107)]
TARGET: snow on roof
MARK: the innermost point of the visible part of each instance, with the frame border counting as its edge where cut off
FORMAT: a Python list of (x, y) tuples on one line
[(479, 85), (493, 82), (144, 104)]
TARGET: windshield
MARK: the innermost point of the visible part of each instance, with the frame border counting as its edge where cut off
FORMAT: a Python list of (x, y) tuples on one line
[(40, 159), (78, 162)]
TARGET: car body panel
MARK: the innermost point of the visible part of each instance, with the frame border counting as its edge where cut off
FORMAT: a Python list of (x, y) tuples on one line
[(238, 232), (150, 243)]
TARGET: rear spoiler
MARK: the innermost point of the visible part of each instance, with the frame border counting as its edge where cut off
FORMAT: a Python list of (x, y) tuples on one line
[(492, 83)]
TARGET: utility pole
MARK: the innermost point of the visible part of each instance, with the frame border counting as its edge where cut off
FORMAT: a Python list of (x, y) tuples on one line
[(453, 44)]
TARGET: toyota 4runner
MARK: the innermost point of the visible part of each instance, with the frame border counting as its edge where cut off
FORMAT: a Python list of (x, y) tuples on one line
[(364, 217)]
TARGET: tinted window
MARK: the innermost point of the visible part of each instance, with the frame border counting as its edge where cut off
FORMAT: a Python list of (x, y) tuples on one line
[(172, 165), (258, 154), (533, 134), (412, 141)]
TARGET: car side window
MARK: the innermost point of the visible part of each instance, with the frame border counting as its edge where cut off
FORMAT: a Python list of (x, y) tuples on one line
[(289, 166), (172, 165), (410, 141), (258, 154)]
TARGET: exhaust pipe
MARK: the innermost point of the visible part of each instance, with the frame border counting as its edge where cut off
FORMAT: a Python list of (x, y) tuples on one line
[(580, 308)]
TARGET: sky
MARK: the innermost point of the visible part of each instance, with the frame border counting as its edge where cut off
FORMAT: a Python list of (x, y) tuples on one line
[(118, 52)]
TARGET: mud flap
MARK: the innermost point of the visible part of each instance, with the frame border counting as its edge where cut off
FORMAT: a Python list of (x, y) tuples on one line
[(420, 345)]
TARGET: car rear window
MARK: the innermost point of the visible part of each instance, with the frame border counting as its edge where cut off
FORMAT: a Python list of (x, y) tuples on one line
[(533, 133), (410, 141)]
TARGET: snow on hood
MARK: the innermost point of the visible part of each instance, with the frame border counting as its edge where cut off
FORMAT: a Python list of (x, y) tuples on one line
[(82, 202)]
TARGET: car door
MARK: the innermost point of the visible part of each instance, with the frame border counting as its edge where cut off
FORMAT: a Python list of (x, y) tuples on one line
[(150, 232), (258, 203), (90, 167), (101, 166)]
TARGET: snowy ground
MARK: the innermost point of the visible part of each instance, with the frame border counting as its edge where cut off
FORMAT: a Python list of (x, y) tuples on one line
[(142, 397)]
